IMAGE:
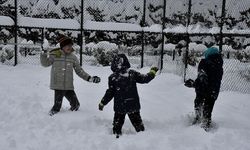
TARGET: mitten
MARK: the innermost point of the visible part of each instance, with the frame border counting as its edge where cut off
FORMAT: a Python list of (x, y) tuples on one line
[(189, 83), (153, 70), (95, 79), (101, 106)]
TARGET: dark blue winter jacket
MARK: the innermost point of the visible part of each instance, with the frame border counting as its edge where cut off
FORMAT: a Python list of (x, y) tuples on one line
[(122, 86), (210, 72)]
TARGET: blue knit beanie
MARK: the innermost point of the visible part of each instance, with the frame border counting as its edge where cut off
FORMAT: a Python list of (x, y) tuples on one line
[(211, 51)]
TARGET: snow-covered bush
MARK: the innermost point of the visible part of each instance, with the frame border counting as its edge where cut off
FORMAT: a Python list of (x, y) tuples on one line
[(5, 35), (46, 44), (245, 71), (134, 51), (7, 53), (28, 48), (89, 48), (104, 52)]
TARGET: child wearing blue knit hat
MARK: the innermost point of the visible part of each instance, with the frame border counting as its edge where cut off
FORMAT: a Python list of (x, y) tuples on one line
[(207, 86), (211, 51)]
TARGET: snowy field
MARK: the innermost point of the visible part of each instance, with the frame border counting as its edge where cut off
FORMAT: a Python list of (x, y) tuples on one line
[(25, 100)]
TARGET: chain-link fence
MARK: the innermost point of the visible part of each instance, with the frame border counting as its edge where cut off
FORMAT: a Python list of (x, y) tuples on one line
[(7, 14), (170, 34)]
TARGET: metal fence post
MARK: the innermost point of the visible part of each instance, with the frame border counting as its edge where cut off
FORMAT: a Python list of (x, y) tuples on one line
[(142, 49), (15, 33), (142, 34), (187, 39), (223, 15), (42, 39), (82, 21), (163, 35)]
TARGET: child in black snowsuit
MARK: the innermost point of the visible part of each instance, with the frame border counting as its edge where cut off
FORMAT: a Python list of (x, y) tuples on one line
[(122, 87), (207, 86)]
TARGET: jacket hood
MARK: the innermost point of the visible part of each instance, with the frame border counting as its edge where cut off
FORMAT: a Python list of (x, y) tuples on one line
[(120, 63)]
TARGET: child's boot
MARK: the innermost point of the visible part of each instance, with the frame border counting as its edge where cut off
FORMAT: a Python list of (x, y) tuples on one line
[(206, 124)]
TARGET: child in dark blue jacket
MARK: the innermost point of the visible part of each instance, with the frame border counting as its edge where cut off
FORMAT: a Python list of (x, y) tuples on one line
[(122, 87), (207, 86)]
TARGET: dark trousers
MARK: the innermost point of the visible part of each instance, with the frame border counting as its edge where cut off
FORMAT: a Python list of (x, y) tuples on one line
[(204, 105), (70, 96), (135, 119)]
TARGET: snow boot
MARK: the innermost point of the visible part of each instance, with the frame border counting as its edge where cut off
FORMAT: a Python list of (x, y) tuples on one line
[(140, 128), (197, 118), (117, 133), (52, 112), (74, 108), (118, 136), (206, 124)]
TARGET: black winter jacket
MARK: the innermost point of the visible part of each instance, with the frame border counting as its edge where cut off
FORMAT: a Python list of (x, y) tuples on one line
[(210, 72), (122, 87)]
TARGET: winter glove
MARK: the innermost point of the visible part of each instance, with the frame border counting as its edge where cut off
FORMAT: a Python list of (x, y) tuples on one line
[(189, 83), (101, 106), (95, 79), (153, 70)]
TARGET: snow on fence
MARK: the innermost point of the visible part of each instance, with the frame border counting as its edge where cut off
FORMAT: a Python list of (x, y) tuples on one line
[(111, 26), (175, 29), (49, 23), (114, 26), (74, 24), (157, 28), (197, 28), (6, 21), (237, 31)]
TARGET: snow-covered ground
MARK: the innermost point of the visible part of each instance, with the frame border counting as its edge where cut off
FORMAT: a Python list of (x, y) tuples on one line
[(25, 100)]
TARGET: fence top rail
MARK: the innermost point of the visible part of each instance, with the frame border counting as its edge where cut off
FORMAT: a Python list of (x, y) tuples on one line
[(24, 44), (210, 34), (28, 27), (147, 32)]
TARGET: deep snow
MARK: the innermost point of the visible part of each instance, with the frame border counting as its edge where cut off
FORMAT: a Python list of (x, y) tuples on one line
[(25, 100)]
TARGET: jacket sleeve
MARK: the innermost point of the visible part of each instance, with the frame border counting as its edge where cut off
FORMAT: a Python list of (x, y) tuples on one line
[(110, 92), (143, 78), (201, 82), (79, 71), (45, 60), (202, 78)]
